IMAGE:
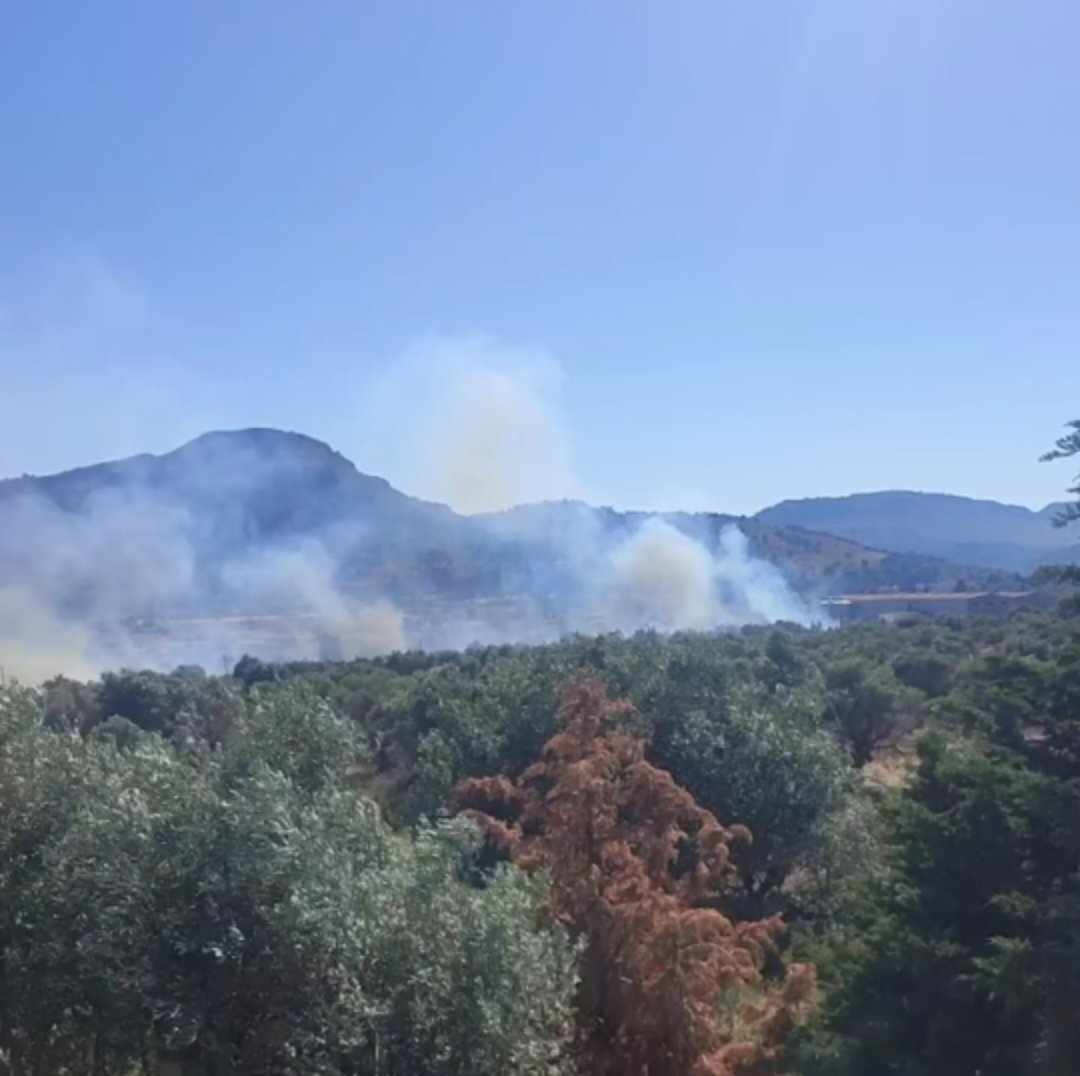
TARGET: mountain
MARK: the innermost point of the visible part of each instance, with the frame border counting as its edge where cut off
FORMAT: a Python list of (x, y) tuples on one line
[(267, 528), (240, 487), (1007, 537), (188, 528)]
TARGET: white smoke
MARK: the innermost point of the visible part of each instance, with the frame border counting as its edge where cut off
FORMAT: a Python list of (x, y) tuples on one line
[(300, 582), (122, 552), (662, 578), (287, 580), (751, 590), (36, 644), (472, 424), (464, 421), (117, 584)]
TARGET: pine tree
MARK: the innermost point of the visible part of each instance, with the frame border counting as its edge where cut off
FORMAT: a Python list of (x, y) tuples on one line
[(669, 983)]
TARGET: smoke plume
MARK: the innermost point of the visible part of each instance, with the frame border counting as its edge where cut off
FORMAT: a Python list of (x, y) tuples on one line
[(134, 579), (662, 578), (472, 424), (299, 583), (36, 644), (273, 544)]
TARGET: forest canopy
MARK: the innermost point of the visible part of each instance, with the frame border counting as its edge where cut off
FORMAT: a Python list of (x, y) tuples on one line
[(778, 850)]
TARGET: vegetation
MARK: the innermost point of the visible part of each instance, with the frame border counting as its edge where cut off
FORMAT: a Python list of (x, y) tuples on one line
[(245, 910), (670, 984), (605, 855), (1064, 448)]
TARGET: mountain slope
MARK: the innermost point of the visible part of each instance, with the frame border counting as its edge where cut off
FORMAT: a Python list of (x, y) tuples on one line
[(960, 529), (245, 485), (191, 529), (260, 520)]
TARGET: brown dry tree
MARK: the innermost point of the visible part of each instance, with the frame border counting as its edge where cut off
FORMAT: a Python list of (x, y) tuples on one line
[(670, 985)]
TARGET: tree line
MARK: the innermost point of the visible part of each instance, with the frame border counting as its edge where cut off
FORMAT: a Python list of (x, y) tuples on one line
[(369, 866), (775, 851)]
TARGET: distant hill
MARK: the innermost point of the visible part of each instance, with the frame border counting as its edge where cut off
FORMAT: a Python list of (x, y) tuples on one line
[(154, 531), (263, 520), (1006, 537), (241, 487)]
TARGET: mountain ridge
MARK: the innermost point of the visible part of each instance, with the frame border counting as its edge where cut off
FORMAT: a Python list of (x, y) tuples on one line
[(176, 525), (928, 496), (968, 530)]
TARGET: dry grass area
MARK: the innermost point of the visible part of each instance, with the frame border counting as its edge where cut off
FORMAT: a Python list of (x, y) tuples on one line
[(894, 764)]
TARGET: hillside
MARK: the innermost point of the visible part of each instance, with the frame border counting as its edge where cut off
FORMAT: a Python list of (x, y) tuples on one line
[(986, 533), (226, 497), (242, 488), (175, 528), (272, 542)]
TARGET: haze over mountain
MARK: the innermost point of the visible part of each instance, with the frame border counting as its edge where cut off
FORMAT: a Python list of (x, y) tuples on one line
[(978, 532), (276, 527), (231, 495)]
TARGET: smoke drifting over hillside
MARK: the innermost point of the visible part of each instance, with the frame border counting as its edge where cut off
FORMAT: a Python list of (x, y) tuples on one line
[(130, 577), (273, 544), (494, 438), (35, 643), (473, 424), (663, 578)]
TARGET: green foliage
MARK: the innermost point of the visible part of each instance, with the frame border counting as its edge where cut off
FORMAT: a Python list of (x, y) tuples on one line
[(865, 705), (70, 706), (962, 956), (183, 702), (1064, 447), (245, 910), (292, 731), (764, 762), (847, 855), (195, 865), (123, 734), (150, 700), (924, 670)]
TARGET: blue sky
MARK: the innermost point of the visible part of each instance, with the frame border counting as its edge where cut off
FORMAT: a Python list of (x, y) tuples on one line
[(755, 250)]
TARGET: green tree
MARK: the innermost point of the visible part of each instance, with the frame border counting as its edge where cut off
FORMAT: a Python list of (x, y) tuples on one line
[(41, 777), (963, 957), (1064, 448), (246, 909), (865, 705), (925, 671), (766, 765)]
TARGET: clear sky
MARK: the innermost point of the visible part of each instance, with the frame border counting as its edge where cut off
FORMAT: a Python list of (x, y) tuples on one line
[(757, 249)]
